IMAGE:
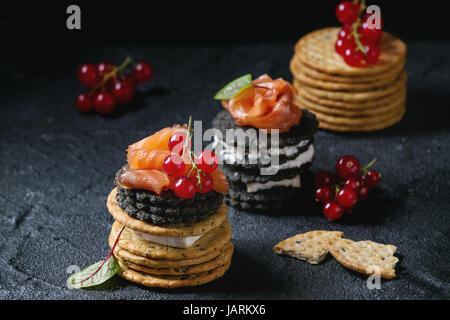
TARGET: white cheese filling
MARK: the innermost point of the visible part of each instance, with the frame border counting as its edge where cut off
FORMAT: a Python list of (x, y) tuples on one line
[(231, 154), (302, 158), (177, 242), (294, 182)]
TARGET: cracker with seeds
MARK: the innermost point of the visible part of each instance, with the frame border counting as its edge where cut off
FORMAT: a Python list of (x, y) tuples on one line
[(160, 281), (176, 230), (364, 256), (310, 247), (212, 241)]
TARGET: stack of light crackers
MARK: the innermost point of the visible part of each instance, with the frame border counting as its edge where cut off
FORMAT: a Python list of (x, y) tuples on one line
[(346, 98), (205, 256), (365, 257)]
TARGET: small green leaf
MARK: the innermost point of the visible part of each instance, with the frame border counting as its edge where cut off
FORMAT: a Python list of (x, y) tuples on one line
[(95, 274), (234, 87)]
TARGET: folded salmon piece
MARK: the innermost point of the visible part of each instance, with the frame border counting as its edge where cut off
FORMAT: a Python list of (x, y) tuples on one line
[(268, 104), (157, 180), (153, 180)]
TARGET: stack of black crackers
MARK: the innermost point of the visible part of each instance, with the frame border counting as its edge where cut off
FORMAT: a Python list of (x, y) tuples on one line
[(257, 182)]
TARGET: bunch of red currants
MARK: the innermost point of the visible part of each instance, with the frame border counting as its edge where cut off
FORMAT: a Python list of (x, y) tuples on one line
[(358, 40), (199, 178), (109, 84), (342, 191)]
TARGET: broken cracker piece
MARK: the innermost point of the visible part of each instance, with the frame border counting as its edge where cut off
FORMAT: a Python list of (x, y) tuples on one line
[(366, 257), (310, 246)]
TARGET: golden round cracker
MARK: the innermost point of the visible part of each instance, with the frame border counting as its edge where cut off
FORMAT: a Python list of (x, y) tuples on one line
[(174, 230), (316, 49), (218, 261), (358, 121), (213, 240), (365, 257), (159, 263), (297, 66), (366, 127), (302, 78), (334, 111), (358, 96), (159, 281), (401, 92)]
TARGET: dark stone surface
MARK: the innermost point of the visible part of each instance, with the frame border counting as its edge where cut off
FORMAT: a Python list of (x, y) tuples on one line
[(57, 167)]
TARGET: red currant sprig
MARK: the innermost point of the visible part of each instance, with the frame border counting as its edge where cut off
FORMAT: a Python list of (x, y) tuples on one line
[(341, 192), (109, 85), (357, 43), (203, 163)]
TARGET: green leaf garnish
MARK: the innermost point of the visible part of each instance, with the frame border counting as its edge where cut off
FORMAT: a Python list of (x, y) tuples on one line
[(98, 272), (95, 274), (234, 88)]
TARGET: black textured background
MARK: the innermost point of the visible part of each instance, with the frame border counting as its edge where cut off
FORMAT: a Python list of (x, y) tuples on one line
[(57, 168)]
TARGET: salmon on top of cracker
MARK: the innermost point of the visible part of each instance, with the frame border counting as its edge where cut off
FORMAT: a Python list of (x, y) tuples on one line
[(264, 105), (153, 166)]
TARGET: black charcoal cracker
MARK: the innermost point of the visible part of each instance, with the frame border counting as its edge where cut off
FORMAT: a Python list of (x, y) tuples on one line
[(266, 195), (304, 131), (246, 176), (167, 208)]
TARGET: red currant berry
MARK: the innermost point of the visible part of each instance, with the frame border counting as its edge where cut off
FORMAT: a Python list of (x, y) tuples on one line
[(332, 210), (354, 183), (367, 16), (347, 197), (84, 103), (206, 182), (371, 178), (345, 32), (342, 45), (87, 75), (323, 178), (363, 193), (104, 103), (104, 67), (143, 72), (174, 165), (184, 188), (347, 12), (339, 46), (353, 58), (206, 161), (370, 34), (177, 141), (372, 53), (123, 91), (131, 81), (347, 167), (324, 194)]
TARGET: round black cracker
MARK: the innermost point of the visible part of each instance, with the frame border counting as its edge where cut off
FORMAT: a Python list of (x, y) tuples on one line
[(265, 195), (304, 131), (167, 208), (235, 176), (263, 207), (255, 167)]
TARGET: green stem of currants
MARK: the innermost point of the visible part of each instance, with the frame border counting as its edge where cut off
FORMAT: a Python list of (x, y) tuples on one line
[(191, 155), (111, 74), (367, 166)]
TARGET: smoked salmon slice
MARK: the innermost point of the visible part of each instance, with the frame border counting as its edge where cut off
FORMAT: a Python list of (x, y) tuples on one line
[(220, 181), (147, 159), (268, 104), (145, 165), (158, 181), (158, 140), (154, 180)]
